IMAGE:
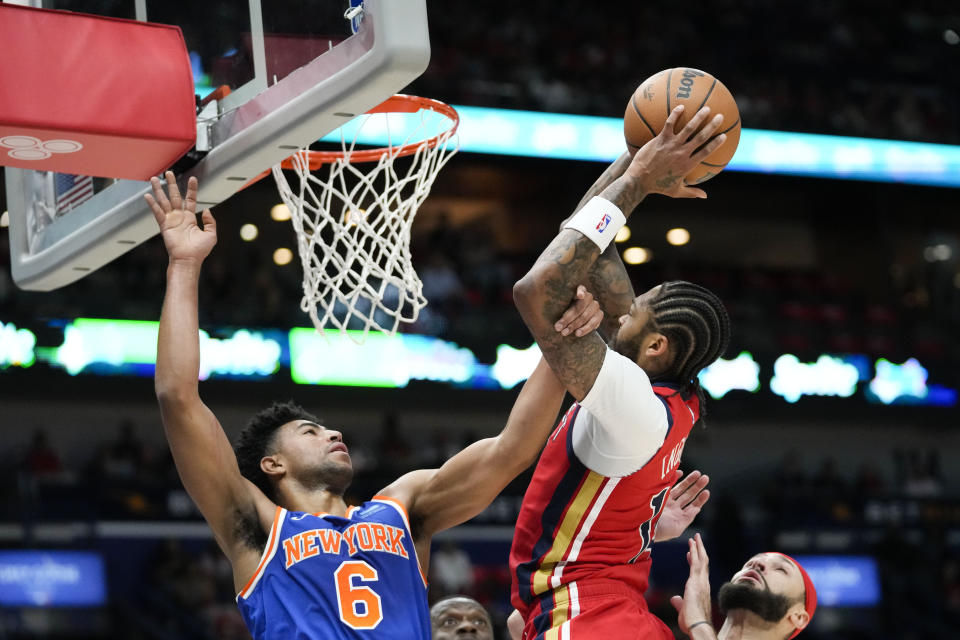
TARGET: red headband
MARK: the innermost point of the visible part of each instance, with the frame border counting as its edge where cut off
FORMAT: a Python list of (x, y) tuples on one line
[(809, 592)]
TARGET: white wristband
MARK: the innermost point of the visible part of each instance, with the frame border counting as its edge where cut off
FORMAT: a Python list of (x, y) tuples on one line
[(599, 220)]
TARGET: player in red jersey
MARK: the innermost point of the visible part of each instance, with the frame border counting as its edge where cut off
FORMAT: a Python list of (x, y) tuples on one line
[(305, 564), (581, 552), (771, 598), (686, 499)]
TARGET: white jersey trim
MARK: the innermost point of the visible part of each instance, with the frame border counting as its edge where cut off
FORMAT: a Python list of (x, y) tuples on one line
[(273, 542), (574, 553), (402, 510)]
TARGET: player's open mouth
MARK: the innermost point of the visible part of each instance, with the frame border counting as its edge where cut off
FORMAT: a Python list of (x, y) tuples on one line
[(753, 576)]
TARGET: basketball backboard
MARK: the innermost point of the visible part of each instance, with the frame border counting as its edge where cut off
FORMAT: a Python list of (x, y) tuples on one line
[(296, 70)]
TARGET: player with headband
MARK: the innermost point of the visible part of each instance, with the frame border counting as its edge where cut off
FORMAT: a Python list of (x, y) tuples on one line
[(771, 598)]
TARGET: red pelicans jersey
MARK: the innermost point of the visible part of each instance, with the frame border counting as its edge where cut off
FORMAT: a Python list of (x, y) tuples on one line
[(578, 527)]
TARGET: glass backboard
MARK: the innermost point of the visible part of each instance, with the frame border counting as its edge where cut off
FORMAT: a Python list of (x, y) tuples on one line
[(294, 71)]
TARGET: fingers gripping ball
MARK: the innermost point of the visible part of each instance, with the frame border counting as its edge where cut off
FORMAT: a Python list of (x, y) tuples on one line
[(656, 96)]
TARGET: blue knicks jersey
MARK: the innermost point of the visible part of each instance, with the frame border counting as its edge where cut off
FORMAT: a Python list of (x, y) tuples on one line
[(326, 577)]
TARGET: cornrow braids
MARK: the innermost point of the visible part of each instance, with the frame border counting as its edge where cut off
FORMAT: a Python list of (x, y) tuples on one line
[(694, 319)]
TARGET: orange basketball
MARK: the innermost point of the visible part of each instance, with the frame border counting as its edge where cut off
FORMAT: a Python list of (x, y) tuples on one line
[(656, 96)]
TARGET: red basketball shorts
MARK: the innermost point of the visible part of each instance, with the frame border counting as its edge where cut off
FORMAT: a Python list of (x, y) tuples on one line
[(605, 611)]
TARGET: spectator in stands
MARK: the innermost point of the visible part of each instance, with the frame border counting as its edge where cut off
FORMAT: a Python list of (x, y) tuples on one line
[(460, 617), (41, 460), (451, 570), (125, 455)]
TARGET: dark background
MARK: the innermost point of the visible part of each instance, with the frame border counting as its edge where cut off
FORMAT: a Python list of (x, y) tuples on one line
[(805, 266)]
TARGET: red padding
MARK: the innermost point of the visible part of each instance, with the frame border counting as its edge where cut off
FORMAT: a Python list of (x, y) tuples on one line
[(120, 92)]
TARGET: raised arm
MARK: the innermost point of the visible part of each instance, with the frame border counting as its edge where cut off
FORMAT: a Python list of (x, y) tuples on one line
[(687, 497), (695, 617), (607, 280), (202, 453), (469, 481), (546, 290)]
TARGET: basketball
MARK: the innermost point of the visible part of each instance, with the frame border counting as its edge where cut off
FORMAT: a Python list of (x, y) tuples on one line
[(656, 96)]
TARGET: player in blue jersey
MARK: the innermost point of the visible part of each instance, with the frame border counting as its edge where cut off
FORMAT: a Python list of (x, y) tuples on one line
[(305, 565)]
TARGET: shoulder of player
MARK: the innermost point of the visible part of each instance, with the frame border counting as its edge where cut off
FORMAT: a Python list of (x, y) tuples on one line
[(404, 492), (407, 487)]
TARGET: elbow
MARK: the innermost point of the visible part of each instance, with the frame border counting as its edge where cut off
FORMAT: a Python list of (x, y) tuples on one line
[(516, 457), (525, 291), (526, 461), (170, 395)]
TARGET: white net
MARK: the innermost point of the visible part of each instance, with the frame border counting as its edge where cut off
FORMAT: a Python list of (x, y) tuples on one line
[(353, 223)]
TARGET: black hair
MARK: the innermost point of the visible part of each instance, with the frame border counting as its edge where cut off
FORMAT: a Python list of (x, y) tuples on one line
[(256, 440), (695, 321)]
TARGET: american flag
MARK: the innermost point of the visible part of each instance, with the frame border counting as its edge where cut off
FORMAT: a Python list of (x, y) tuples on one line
[(72, 190)]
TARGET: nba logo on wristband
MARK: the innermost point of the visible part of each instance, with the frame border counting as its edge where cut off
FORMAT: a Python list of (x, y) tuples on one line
[(599, 220)]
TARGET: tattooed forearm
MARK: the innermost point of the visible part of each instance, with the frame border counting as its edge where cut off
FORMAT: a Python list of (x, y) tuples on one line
[(610, 285), (543, 295), (575, 361), (545, 292), (560, 268), (614, 171), (626, 193)]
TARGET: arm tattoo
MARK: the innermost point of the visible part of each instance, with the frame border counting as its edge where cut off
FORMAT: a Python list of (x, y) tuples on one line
[(607, 280), (668, 181), (611, 173), (626, 194), (552, 283), (566, 260), (563, 265), (611, 286), (575, 361)]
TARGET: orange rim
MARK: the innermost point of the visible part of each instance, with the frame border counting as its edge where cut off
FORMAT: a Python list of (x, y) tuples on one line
[(400, 103)]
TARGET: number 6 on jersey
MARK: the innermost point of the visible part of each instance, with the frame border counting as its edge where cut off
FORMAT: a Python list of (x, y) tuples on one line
[(359, 605)]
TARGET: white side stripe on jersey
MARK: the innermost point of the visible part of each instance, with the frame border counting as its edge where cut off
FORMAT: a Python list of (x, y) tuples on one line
[(273, 543), (574, 553), (574, 600)]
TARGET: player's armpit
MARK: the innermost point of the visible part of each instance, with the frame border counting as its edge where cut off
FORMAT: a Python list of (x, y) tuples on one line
[(208, 468)]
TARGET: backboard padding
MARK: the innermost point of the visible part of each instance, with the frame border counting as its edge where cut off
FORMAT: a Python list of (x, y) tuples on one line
[(390, 49)]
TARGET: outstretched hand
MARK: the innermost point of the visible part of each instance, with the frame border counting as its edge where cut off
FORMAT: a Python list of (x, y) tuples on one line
[(686, 499), (583, 316), (184, 239), (662, 163), (694, 606)]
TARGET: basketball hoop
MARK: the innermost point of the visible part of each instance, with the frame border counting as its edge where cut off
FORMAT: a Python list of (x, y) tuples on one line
[(353, 210)]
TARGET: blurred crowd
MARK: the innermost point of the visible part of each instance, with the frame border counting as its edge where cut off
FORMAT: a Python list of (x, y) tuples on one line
[(897, 510), (816, 68), (468, 279)]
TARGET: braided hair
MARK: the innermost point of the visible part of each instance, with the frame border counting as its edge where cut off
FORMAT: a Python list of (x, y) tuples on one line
[(696, 323)]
